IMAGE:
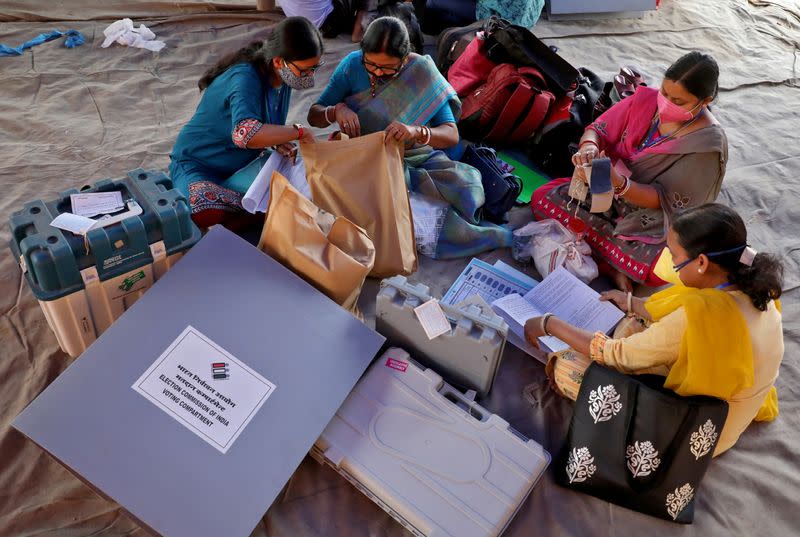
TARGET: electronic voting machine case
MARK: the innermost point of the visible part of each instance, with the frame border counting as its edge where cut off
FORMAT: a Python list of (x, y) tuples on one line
[(440, 464), (468, 355)]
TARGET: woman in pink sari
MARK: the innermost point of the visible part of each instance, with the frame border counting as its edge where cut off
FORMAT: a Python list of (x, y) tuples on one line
[(668, 153)]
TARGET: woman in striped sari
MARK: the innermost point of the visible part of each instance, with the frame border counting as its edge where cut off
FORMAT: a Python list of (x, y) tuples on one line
[(386, 87)]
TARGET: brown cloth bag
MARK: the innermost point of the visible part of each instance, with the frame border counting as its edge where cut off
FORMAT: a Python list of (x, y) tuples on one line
[(331, 253), (363, 180)]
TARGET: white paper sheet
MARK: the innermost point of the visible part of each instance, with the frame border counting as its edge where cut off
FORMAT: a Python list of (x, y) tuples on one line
[(572, 300), (94, 203), (256, 198), (432, 318), (516, 310), (77, 224), (568, 298), (205, 388)]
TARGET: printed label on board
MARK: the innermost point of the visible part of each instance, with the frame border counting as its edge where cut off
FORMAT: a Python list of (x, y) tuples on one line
[(116, 260), (205, 388)]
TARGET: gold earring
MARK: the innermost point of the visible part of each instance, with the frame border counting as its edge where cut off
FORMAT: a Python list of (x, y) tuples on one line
[(700, 271)]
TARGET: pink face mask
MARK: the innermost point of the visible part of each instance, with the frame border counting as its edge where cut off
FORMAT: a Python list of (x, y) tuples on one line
[(670, 112)]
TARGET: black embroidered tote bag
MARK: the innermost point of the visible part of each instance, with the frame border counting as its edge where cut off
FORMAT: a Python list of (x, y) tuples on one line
[(636, 444)]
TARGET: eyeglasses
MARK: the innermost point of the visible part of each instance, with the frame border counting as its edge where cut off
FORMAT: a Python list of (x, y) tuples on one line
[(679, 266), (387, 71), (305, 71)]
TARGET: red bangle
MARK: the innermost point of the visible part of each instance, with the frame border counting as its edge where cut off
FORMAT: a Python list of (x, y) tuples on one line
[(300, 130), (588, 142)]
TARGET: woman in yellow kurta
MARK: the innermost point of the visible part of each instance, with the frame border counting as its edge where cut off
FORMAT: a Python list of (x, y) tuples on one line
[(717, 332)]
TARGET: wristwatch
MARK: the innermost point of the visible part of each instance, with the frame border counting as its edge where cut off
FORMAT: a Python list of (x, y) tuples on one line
[(300, 130)]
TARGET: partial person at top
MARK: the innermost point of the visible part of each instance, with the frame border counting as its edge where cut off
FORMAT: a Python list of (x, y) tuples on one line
[(386, 87), (332, 17), (242, 112), (668, 153)]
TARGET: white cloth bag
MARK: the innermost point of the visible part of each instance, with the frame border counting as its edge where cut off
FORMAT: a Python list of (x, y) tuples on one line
[(552, 246)]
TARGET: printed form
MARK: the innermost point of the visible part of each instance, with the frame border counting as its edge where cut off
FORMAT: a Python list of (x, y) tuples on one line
[(568, 298)]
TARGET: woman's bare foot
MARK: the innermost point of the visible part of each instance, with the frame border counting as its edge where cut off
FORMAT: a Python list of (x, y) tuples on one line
[(622, 282)]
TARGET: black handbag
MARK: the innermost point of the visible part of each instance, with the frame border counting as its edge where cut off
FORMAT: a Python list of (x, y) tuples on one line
[(552, 148), (500, 187), (452, 42), (634, 443), (517, 45)]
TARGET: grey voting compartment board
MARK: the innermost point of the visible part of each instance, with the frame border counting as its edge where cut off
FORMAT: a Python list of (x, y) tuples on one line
[(468, 356), (437, 462), (252, 345)]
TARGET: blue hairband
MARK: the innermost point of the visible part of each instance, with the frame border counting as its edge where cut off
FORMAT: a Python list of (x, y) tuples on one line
[(748, 254)]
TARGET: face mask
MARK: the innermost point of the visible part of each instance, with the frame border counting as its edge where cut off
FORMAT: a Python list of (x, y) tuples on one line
[(664, 270), (670, 112), (294, 81)]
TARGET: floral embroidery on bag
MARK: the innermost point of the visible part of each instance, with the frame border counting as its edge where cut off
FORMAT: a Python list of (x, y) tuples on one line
[(580, 465), (679, 201), (642, 458), (604, 403), (703, 439), (679, 499)]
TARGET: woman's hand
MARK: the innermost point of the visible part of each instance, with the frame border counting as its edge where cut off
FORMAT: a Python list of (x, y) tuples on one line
[(288, 150), (533, 331), (619, 298), (347, 120), (308, 137), (588, 152), (580, 173), (584, 170), (401, 132)]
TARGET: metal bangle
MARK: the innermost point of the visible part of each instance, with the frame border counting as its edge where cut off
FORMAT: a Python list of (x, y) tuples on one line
[(630, 303), (618, 193), (545, 318), (326, 114)]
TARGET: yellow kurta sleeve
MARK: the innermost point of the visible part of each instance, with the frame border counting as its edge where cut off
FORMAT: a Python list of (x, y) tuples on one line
[(653, 350)]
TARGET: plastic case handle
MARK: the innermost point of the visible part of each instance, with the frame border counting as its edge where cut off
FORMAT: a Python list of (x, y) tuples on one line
[(469, 406)]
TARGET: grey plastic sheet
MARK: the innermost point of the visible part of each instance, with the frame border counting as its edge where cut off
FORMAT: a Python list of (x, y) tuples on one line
[(71, 117)]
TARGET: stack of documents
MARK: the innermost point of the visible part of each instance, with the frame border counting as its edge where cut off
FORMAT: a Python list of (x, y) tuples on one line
[(567, 298), (516, 298)]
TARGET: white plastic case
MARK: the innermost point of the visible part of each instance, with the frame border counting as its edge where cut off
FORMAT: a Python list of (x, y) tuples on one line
[(439, 463)]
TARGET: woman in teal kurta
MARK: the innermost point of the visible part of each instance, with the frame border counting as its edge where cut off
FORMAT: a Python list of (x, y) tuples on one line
[(242, 112)]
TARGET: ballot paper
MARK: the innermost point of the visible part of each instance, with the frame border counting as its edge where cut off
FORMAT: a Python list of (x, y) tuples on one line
[(94, 203), (488, 282), (432, 318), (256, 199), (80, 225), (568, 298)]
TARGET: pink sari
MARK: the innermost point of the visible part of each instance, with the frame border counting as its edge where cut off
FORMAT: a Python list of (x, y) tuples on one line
[(686, 171)]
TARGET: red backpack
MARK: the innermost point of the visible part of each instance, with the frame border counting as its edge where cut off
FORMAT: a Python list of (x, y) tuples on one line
[(508, 108)]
